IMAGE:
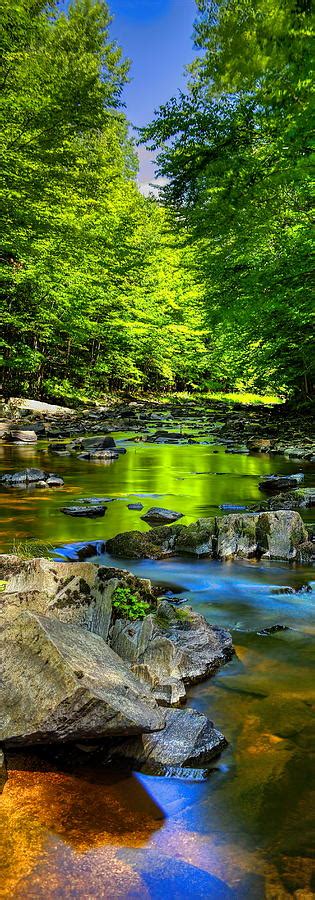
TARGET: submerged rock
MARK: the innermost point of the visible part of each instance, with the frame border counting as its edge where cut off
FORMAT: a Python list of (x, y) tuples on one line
[(27, 476), (171, 648), (158, 514), (58, 448), (188, 739), (99, 454), (273, 629), (64, 684), (54, 481), (32, 476), (135, 506), (91, 512), (271, 483)]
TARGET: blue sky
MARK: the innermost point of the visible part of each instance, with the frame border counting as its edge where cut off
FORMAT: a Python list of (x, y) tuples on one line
[(157, 36)]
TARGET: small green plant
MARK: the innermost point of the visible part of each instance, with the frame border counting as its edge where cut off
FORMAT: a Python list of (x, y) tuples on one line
[(2, 586), (129, 605)]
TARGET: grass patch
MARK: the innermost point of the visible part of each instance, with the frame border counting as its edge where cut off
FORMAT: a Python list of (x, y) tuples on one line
[(31, 549)]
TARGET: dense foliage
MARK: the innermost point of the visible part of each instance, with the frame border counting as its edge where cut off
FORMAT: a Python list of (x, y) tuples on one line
[(97, 290), (236, 151), (105, 289)]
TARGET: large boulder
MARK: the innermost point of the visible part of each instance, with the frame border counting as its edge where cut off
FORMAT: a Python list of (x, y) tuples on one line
[(76, 593), (171, 648), (196, 539), (64, 684), (236, 536), (280, 533), (248, 535), (189, 739), (153, 544)]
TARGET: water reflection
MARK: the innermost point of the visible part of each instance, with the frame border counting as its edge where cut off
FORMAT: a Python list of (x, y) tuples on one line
[(193, 479)]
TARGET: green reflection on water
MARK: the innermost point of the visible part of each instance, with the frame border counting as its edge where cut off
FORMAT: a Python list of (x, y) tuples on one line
[(191, 479)]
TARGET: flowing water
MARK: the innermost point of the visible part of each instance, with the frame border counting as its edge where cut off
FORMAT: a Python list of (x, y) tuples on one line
[(245, 832)]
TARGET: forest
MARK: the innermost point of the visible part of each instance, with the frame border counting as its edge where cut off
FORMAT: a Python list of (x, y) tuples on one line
[(205, 287)]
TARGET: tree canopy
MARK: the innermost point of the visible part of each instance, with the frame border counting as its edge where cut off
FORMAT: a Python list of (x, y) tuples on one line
[(97, 289), (236, 150), (105, 289)]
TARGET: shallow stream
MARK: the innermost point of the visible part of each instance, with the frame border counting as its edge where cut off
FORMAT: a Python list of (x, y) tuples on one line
[(245, 832)]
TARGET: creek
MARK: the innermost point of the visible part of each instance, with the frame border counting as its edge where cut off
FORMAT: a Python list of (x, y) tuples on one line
[(245, 831)]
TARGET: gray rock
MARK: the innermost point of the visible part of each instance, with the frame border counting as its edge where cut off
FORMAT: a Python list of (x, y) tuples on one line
[(276, 533), (58, 448), (54, 481), (76, 593), (196, 539), (27, 476), (171, 648), (135, 506), (95, 443), (298, 452), (63, 684), (305, 553), (280, 533), (22, 437), (158, 515), (153, 544), (91, 512), (99, 454), (273, 629), (188, 739), (236, 536), (271, 483), (300, 498)]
